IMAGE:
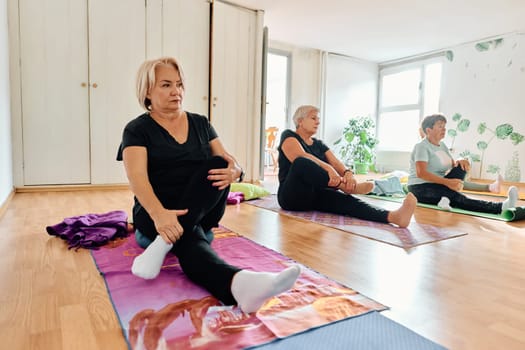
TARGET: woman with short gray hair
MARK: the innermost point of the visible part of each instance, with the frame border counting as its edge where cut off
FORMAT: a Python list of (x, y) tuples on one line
[(312, 178)]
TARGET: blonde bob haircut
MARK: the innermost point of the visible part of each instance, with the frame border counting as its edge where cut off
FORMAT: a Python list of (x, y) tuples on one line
[(303, 112), (146, 78)]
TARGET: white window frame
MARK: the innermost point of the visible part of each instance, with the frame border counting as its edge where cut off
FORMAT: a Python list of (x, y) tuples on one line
[(420, 105)]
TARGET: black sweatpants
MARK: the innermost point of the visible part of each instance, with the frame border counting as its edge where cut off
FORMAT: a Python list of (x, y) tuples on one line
[(431, 193), (206, 205), (306, 188)]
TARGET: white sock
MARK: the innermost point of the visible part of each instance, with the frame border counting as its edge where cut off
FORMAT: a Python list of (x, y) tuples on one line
[(251, 289), (512, 198), (147, 265), (444, 203), (496, 185)]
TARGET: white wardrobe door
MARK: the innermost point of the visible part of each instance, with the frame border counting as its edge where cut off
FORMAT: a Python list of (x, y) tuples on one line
[(117, 47), (54, 76), (185, 36), (233, 79)]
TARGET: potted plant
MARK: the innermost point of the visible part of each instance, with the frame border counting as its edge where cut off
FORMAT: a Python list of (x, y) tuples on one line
[(357, 144)]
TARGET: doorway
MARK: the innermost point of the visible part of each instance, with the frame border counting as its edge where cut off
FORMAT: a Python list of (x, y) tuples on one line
[(277, 107)]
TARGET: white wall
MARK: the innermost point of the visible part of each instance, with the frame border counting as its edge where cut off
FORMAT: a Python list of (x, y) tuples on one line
[(350, 91), (6, 163), (305, 76), (487, 86)]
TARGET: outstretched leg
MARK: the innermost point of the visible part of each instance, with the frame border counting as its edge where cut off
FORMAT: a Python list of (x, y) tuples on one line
[(251, 289), (431, 193)]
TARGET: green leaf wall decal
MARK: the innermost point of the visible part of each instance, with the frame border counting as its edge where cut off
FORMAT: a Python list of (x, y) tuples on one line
[(482, 145), (463, 125), (483, 46), (516, 138), (482, 127), (503, 131), (493, 169)]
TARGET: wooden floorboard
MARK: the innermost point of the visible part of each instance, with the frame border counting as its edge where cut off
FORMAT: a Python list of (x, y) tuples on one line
[(464, 293)]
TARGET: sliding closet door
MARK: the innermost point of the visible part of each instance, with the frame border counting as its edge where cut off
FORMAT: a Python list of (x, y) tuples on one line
[(236, 82), (117, 47), (186, 36), (54, 82)]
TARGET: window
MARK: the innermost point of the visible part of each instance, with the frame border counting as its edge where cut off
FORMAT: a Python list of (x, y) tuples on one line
[(407, 94)]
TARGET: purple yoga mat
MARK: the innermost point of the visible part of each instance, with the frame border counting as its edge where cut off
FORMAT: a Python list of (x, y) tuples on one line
[(415, 234), (173, 313)]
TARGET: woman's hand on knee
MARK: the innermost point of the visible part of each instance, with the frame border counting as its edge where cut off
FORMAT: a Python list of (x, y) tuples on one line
[(454, 184), (463, 164), (167, 224), (222, 178)]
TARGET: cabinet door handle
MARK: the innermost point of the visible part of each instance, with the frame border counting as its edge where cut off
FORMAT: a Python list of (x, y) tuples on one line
[(83, 84), (95, 85)]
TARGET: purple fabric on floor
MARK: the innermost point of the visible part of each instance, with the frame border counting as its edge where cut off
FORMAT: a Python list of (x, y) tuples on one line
[(91, 230), (235, 197)]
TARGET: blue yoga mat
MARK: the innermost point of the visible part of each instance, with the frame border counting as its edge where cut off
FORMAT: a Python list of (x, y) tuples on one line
[(371, 331)]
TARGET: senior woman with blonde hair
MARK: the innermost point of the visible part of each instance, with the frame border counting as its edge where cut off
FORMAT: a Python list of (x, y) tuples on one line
[(312, 178), (180, 174)]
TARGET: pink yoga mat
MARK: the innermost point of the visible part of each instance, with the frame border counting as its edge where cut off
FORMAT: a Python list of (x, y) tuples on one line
[(415, 234), (173, 313)]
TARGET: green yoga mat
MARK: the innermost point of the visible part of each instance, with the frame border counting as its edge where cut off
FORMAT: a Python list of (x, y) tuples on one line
[(513, 214)]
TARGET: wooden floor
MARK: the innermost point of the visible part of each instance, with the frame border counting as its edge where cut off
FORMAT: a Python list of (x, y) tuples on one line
[(464, 293)]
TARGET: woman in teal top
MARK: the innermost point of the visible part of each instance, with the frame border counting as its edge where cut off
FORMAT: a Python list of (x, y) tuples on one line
[(435, 174)]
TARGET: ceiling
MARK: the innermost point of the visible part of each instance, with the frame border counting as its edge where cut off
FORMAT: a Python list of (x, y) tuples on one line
[(384, 30)]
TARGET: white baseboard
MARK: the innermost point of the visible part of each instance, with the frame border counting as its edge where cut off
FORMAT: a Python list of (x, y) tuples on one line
[(5, 204)]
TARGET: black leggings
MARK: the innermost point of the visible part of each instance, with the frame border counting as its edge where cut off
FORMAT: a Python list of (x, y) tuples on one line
[(206, 205), (431, 193), (306, 188)]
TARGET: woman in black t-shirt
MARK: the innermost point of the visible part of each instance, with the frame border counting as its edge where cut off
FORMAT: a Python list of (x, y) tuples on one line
[(180, 175), (312, 178)]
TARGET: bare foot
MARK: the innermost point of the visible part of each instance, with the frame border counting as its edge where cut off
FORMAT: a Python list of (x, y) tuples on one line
[(363, 188), (401, 217)]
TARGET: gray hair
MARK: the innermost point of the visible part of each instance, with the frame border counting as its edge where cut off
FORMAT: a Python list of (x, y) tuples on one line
[(430, 120), (146, 77), (303, 112)]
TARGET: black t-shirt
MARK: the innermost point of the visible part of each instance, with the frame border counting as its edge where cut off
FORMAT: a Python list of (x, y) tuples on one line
[(318, 149), (170, 163)]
